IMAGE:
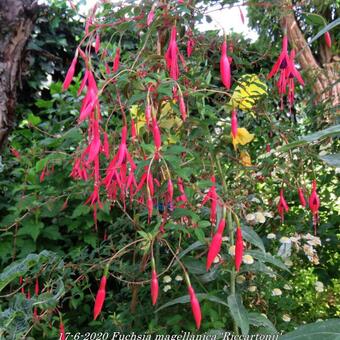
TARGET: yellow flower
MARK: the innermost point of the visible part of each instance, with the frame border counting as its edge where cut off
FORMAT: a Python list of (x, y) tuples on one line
[(242, 137), (245, 158)]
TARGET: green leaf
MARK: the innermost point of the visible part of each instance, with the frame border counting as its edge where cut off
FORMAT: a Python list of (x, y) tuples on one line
[(31, 228), (260, 320), (195, 266), (195, 245), (91, 239), (238, 312), (266, 257), (325, 330), (251, 236), (20, 268), (34, 120), (332, 160), (329, 132), (81, 210), (323, 31)]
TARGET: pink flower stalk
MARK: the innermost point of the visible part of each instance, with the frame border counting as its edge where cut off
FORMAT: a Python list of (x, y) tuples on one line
[(195, 307), (301, 197), (150, 17), (234, 124), (154, 287), (70, 73), (100, 298), (238, 249), (182, 108), (212, 195), (171, 56), (116, 60), (282, 207), (328, 40), (225, 66), (21, 282), (314, 204), (97, 45), (216, 243)]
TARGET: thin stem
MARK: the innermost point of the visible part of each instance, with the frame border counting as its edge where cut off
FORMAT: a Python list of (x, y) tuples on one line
[(232, 272)]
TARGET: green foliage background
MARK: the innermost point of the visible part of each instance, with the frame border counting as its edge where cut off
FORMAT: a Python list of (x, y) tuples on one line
[(46, 231)]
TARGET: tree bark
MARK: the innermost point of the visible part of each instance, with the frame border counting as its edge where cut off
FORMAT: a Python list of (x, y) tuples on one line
[(16, 22), (325, 77)]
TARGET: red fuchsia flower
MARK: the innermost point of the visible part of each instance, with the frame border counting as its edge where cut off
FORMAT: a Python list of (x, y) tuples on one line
[(238, 249), (183, 197), (148, 115), (61, 331), (115, 169), (301, 197), (149, 205), (282, 206), (171, 56), (151, 16), (328, 40), (154, 287), (133, 130), (70, 73), (212, 196), (21, 281), (195, 307), (90, 101), (268, 147), (190, 42), (116, 60), (15, 152), (225, 66), (216, 243), (314, 204), (36, 293), (100, 298), (234, 124), (43, 174), (292, 73), (170, 190), (83, 83), (182, 108), (97, 45), (283, 60), (156, 136)]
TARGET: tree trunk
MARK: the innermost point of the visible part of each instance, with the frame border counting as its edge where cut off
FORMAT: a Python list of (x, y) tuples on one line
[(325, 76), (16, 22)]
